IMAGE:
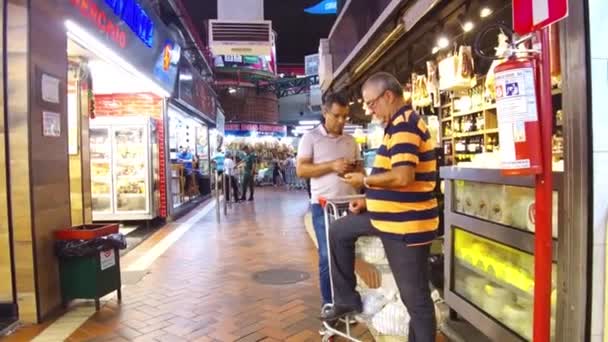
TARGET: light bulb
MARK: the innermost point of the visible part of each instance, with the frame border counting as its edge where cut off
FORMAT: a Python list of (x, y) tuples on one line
[(443, 42), (485, 12), (468, 26)]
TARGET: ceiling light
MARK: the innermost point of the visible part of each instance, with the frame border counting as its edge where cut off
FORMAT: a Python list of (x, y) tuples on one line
[(468, 26), (485, 12), (231, 90), (435, 50), (309, 122), (443, 42), (351, 103), (359, 100)]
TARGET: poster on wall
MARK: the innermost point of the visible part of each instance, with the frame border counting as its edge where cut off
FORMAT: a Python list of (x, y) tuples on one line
[(51, 124), (50, 89)]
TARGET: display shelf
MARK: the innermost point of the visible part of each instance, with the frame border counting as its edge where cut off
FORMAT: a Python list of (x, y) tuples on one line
[(446, 119), (501, 232), (474, 111), (132, 194), (492, 278), (476, 133), (446, 138)]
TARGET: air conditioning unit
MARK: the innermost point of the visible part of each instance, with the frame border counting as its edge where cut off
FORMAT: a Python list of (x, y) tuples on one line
[(240, 38)]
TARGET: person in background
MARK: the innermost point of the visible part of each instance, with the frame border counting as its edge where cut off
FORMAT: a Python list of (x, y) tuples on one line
[(276, 170), (249, 171), (218, 160), (400, 207), (230, 177), (186, 157), (324, 154)]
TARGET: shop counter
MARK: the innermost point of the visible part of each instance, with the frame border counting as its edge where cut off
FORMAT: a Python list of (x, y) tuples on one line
[(489, 247)]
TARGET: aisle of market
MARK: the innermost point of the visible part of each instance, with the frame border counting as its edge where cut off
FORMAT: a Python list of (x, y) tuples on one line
[(203, 289)]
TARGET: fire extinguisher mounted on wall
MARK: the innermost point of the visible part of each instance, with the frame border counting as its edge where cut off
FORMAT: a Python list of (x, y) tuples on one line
[(516, 85)]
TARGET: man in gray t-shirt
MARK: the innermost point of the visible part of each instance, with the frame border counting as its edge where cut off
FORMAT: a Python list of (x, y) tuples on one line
[(324, 154)]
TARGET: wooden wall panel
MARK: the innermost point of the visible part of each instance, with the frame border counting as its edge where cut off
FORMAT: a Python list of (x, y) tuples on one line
[(49, 155), (19, 165)]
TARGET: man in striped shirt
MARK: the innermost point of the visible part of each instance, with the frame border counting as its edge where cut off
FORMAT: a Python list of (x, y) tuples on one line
[(400, 208)]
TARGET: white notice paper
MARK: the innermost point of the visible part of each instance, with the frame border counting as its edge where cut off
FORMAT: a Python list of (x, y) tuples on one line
[(107, 259), (50, 89)]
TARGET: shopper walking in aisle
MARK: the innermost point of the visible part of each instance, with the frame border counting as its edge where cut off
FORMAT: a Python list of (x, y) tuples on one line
[(249, 172), (325, 154), (400, 208), (229, 177)]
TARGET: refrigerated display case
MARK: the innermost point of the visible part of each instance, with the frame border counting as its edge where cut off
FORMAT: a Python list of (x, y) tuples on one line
[(489, 250), (124, 168)]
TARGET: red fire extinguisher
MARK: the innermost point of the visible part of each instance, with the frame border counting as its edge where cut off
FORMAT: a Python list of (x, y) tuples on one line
[(517, 108)]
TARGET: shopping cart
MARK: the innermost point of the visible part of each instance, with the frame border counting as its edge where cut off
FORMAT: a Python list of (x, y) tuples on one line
[(335, 208), (292, 180)]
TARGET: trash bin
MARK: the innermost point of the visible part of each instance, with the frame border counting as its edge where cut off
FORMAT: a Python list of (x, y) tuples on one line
[(89, 262)]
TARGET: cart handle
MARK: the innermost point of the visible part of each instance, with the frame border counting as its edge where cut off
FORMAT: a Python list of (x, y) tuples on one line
[(338, 200)]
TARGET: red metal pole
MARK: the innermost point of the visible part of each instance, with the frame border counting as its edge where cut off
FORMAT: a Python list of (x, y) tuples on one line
[(544, 184)]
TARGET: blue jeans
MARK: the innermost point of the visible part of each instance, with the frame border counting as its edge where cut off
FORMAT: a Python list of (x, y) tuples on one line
[(318, 222)]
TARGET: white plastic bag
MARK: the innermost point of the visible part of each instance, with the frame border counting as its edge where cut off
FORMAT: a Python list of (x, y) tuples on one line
[(393, 320), (373, 301)]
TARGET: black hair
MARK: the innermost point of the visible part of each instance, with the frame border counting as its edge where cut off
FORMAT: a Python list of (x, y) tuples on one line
[(335, 98), (386, 81)]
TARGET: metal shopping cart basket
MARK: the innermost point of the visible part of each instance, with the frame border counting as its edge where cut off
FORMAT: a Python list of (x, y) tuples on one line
[(335, 208)]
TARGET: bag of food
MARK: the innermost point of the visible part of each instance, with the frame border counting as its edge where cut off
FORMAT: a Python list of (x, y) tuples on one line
[(465, 70), (432, 75), (420, 97)]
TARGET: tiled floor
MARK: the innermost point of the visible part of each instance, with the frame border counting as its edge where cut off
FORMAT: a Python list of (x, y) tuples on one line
[(202, 289)]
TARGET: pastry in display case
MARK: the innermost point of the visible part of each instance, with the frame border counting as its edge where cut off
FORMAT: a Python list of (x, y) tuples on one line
[(490, 239), (497, 279), (504, 204)]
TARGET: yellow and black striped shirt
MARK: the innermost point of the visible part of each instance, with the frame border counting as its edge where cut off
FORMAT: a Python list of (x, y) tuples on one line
[(409, 213)]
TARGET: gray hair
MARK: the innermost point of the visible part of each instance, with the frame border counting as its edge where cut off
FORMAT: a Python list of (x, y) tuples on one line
[(386, 82)]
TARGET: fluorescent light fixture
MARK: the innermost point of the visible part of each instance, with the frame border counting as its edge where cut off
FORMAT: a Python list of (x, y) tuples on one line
[(185, 77), (468, 26), (435, 50), (82, 37), (443, 42), (309, 122), (485, 12)]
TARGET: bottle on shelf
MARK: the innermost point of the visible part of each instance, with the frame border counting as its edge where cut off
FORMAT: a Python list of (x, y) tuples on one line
[(480, 121), (467, 124)]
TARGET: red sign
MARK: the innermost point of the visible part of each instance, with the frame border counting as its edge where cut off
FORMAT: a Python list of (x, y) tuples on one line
[(98, 16), (533, 15)]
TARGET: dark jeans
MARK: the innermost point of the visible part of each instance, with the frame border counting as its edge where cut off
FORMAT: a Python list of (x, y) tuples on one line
[(408, 264), (230, 181), (318, 222), (248, 183)]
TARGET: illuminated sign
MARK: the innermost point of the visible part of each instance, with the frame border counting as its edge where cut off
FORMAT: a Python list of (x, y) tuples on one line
[(246, 129), (133, 32), (323, 7), (135, 17), (98, 17)]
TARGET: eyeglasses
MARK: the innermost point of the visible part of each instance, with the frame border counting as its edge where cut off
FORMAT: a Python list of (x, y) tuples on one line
[(372, 103)]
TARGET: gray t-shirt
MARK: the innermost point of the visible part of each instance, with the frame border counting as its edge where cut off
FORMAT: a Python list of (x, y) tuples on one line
[(322, 147)]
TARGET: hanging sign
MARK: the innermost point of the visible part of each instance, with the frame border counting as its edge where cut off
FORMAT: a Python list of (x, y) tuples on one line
[(533, 15)]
